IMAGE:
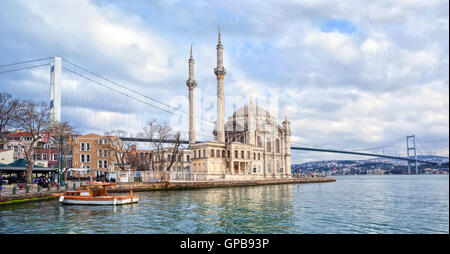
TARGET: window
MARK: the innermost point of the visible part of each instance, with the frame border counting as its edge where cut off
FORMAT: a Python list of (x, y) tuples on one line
[(269, 146), (229, 154), (254, 156), (16, 148), (204, 153), (195, 153), (44, 156), (46, 146), (188, 158), (242, 154), (277, 145), (100, 164), (88, 146), (218, 153), (235, 153), (212, 152), (38, 156), (105, 153), (259, 141), (223, 154), (259, 156), (55, 156), (105, 164), (82, 158), (88, 158), (99, 152), (248, 155), (82, 146)]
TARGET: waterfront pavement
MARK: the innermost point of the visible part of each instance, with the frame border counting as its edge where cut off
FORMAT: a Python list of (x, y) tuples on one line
[(7, 192)]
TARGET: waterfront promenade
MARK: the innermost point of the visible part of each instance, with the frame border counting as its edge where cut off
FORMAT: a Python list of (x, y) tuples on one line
[(34, 194)]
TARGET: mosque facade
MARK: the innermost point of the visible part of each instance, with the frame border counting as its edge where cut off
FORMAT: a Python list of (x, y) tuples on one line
[(250, 144)]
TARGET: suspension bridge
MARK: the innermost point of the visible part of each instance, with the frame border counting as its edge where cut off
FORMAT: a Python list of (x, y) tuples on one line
[(89, 100)]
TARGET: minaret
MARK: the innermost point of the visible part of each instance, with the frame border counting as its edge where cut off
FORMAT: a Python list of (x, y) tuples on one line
[(287, 145), (191, 84), (220, 73)]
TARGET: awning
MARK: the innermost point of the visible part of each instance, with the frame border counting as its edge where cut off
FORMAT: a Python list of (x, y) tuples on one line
[(79, 169)]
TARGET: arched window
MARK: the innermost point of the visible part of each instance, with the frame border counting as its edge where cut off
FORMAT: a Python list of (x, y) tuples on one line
[(269, 145), (259, 143), (242, 154), (218, 153), (195, 154), (223, 153), (212, 152), (235, 153), (254, 156), (277, 145)]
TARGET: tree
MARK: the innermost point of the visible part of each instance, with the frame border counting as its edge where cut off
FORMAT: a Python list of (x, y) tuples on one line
[(166, 144), (8, 113), (121, 149), (33, 118)]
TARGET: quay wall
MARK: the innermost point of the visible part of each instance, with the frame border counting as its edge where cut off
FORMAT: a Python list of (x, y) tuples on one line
[(126, 187), (160, 186)]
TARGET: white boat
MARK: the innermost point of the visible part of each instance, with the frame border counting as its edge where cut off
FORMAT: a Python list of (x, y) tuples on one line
[(95, 194)]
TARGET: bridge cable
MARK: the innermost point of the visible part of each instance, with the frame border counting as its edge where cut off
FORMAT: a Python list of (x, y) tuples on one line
[(81, 75), (24, 62), (25, 68), (115, 83)]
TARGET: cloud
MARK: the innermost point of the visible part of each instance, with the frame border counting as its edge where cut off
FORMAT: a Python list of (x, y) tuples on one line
[(347, 74)]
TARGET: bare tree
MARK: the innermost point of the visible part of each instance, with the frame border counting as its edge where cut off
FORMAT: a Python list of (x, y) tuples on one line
[(8, 113), (121, 149), (33, 118), (166, 144)]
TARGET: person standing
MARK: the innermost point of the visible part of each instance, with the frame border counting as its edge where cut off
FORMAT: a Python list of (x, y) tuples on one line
[(1, 185)]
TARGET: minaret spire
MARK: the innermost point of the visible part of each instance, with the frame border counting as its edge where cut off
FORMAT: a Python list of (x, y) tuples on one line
[(191, 84), (220, 74)]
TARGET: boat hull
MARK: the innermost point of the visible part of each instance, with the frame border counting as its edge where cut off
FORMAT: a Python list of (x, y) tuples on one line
[(98, 201)]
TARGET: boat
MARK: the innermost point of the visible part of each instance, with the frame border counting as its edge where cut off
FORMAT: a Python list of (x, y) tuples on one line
[(95, 194)]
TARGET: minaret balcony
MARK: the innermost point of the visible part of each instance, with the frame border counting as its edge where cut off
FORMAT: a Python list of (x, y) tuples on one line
[(191, 83), (220, 71)]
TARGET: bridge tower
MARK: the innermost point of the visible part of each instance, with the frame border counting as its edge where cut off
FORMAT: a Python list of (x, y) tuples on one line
[(55, 90), (411, 146)]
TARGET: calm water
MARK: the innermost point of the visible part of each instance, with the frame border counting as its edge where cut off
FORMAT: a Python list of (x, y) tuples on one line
[(353, 204)]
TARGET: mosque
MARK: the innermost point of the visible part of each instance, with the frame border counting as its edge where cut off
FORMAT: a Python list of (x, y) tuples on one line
[(250, 145)]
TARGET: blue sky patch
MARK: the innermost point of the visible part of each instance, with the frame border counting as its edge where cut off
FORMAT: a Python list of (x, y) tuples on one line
[(339, 25)]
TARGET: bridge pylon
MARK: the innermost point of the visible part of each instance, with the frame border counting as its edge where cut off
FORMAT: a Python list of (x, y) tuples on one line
[(411, 146), (55, 90)]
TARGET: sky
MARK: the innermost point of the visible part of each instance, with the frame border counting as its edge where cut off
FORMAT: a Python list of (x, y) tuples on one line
[(346, 74)]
